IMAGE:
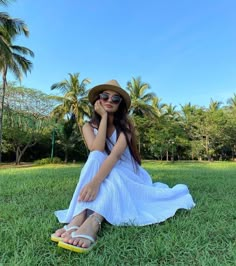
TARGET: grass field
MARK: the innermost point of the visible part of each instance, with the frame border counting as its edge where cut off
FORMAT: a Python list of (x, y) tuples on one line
[(206, 235)]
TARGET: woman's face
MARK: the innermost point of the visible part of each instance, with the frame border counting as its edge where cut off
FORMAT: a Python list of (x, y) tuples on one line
[(110, 100)]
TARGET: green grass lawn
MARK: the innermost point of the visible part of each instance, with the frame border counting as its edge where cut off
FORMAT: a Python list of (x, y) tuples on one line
[(206, 235)]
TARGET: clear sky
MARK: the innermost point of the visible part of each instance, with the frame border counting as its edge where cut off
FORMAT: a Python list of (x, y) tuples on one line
[(185, 49)]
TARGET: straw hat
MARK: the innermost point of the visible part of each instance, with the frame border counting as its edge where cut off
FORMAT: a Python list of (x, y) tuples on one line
[(111, 85)]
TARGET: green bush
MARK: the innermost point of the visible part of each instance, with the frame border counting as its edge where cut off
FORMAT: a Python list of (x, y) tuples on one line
[(54, 160)]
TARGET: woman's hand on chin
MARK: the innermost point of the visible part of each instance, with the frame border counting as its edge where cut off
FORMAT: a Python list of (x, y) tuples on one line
[(99, 108)]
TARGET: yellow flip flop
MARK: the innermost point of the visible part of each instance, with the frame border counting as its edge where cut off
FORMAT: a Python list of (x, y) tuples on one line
[(67, 228), (76, 248)]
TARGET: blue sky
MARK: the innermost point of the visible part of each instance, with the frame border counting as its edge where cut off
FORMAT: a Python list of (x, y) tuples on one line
[(185, 49)]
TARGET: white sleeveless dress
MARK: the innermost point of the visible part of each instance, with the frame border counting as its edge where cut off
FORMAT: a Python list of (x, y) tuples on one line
[(127, 196)]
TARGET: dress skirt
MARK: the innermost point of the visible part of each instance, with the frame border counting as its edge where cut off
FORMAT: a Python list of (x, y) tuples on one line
[(127, 196)]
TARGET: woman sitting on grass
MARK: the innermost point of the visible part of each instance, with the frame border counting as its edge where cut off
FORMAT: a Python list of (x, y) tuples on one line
[(112, 185)]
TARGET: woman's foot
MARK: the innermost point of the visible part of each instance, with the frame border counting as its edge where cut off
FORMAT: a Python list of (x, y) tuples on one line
[(76, 222), (90, 228)]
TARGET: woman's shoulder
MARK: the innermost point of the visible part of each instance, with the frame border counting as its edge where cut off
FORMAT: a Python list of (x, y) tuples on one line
[(86, 126), (89, 127)]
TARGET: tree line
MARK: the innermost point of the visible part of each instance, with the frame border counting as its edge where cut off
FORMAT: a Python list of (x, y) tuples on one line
[(38, 125)]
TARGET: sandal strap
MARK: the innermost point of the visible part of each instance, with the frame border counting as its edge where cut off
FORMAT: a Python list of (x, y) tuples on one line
[(75, 235), (97, 219), (73, 227)]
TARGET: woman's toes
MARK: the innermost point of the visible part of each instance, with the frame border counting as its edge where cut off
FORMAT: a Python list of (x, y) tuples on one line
[(67, 240), (65, 235), (72, 241), (82, 244), (60, 232)]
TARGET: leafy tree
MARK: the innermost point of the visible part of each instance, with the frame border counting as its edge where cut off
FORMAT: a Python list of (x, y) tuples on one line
[(13, 58), (209, 126), (189, 115), (143, 140), (23, 131), (27, 119), (229, 130), (169, 129), (68, 136)]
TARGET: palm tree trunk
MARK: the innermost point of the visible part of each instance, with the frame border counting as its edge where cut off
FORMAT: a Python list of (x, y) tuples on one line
[(207, 148), (4, 84), (233, 152), (66, 155), (167, 155)]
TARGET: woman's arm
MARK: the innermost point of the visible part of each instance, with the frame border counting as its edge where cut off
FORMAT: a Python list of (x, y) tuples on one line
[(89, 192), (96, 142)]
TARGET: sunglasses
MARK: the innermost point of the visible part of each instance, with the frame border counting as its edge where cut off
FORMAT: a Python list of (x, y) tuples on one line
[(116, 99)]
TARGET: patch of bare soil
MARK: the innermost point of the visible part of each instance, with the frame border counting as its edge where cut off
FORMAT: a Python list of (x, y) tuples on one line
[(13, 165)]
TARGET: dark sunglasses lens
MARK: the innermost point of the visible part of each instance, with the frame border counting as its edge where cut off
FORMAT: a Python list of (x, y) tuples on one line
[(116, 99), (104, 96)]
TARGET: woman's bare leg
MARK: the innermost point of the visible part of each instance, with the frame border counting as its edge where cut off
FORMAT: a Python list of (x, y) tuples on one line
[(78, 220), (90, 227)]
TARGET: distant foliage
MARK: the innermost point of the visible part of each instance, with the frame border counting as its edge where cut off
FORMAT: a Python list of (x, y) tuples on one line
[(33, 128), (55, 160)]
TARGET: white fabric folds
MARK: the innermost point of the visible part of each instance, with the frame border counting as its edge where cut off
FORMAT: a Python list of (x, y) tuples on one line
[(127, 196)]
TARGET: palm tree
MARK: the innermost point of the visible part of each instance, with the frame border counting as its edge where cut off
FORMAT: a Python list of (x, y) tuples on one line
[(12, 59), (74, 101), (140, 99), (170, 113), (12, 25), (188, 115), (214, 105), (232, 102), (158, 106)]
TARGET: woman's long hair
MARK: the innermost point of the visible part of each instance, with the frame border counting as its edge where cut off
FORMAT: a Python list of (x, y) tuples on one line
[(122, 124)]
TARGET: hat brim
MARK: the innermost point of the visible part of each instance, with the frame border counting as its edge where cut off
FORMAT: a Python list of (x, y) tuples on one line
[(93, 93)]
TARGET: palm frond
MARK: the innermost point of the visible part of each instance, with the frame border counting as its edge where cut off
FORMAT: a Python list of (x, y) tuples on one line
[(5, 2), (22, 50), (14, 26), (4, 47), (23, 63), (62, 86)]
